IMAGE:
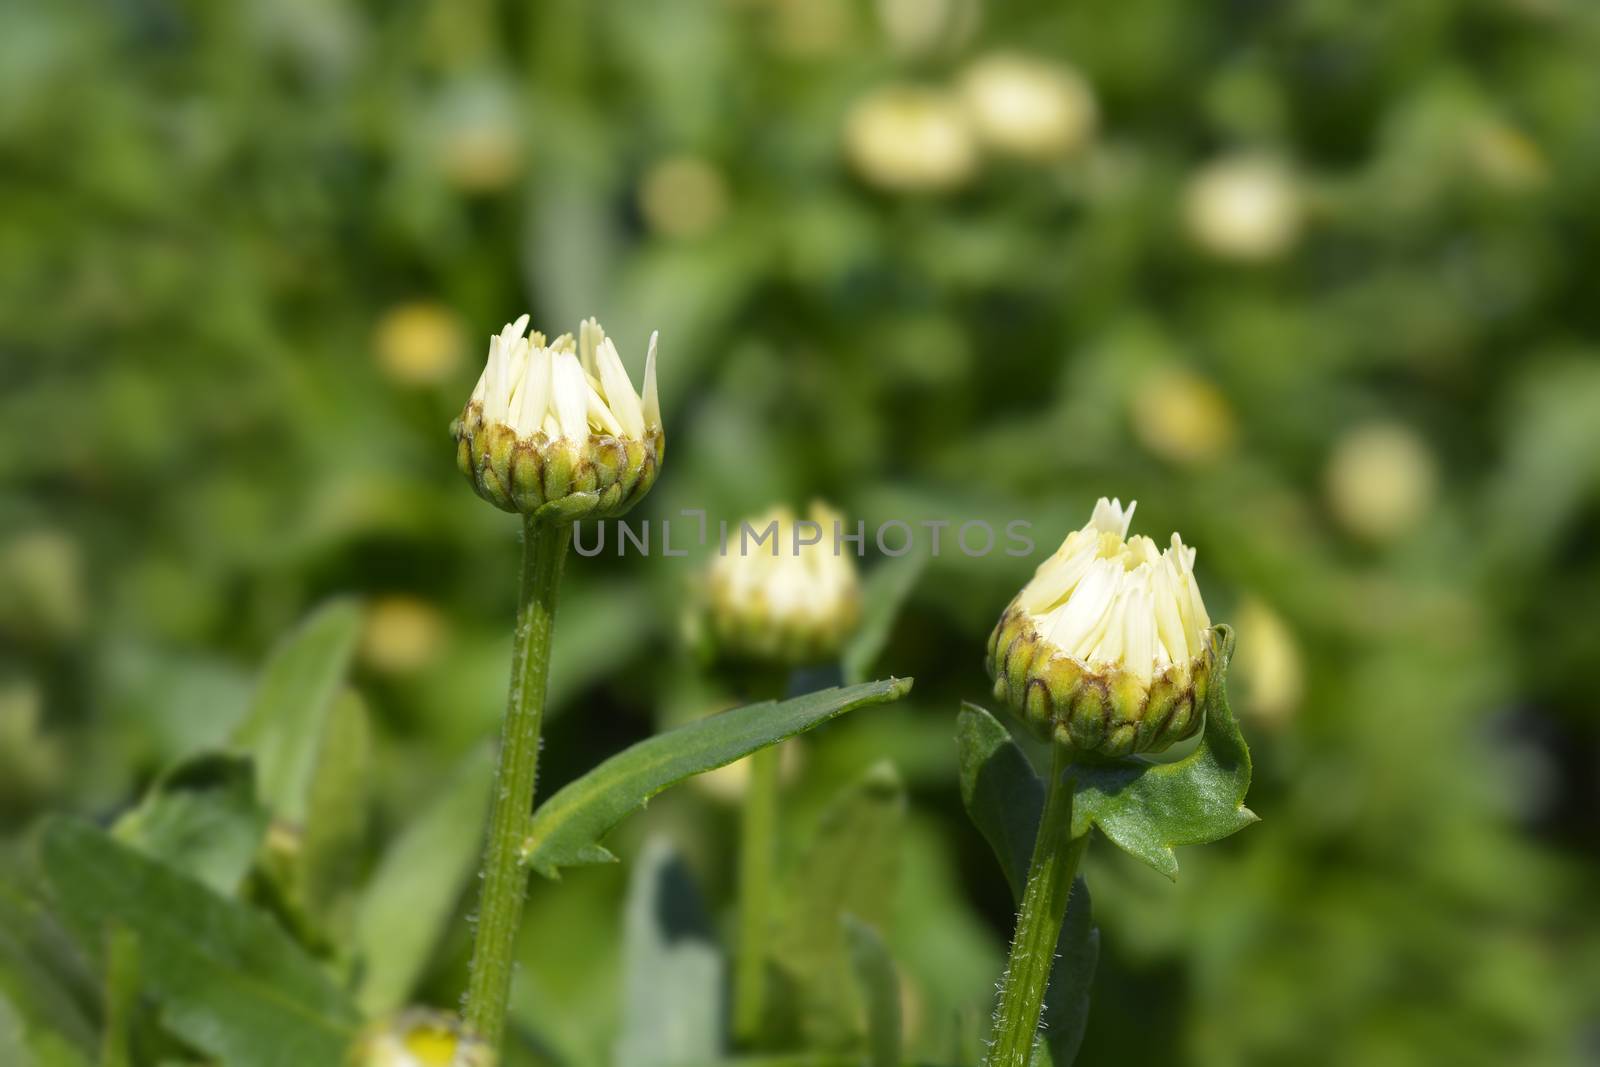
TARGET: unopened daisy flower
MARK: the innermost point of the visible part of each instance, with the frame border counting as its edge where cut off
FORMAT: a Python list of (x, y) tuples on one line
[(556, 429), (1108, 649), (783, 600), (419, 1037)]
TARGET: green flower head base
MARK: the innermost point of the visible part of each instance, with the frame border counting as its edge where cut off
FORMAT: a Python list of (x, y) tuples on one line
[(556, 430), (1108, 650)]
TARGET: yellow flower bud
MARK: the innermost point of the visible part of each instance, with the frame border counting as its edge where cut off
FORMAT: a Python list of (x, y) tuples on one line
[(1182, 417), (419, 1037), (684, 196), (419, 343), (556, 430), (1108, 649), (791, 598)]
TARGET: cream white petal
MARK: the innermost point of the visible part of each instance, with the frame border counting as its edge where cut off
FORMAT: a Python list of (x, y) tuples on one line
[(590, 335), (618, 389), (601, 417), (570, 395), (652, 402), (535, 393)]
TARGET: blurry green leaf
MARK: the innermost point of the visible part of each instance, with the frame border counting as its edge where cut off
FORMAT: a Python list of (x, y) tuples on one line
[(567, 828), (227, 979), (200, 817), (850, 868), (42, 1022), (1146, 808), (413, 893), (883, 594), (672, 969), (285, 727), (1005, 800), (880, 989), (336, 822)]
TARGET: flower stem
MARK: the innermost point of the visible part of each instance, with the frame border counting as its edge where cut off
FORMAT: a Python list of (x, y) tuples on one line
[(758, 837), (1044, 905), (505, 883)]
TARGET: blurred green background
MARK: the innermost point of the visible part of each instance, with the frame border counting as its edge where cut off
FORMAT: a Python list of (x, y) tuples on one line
[(1313, 281)]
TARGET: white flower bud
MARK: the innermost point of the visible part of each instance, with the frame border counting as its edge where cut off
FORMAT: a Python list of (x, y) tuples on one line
[(1109, 648), (906, 138), (1028, 108), (1245, 208), (557, 429)]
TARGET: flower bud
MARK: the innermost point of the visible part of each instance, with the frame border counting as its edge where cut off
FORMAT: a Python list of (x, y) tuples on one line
[(1245, 208), (1108, 650), (906, 138), (556, 431), (788, 598), (419, 1037), (1028, 108)]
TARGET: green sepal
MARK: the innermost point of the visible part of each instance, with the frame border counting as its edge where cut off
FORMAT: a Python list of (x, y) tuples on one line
[(1147, 808)]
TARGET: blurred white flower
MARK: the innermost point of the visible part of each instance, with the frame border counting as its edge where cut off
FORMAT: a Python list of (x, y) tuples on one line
[(1182, 417), (1028, 107), (790, 599), (1380, 480), (907, 138), (1244, 208), (925, 27), (1269, 666), (476, 137)]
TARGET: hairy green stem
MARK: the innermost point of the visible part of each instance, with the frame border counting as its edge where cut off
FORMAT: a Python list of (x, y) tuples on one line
[(505, 883), (758, 855), (1044, 905)]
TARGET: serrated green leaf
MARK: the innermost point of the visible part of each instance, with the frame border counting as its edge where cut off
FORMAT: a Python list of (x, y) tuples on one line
[(412, 895), (285, 726), (568, 827), (1147, 808), (672, 969), (880, 991), (883, 594), (202, 818), (1005, 800), (850, 867), (226, 978)]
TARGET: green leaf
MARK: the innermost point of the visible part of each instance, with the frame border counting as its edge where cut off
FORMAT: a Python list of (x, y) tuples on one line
[(883, 594), (227, 980), (285, 726), (335, 830), (672, 969), (1147, 808), (202, 818), (49, 991), (1005, 800), (412, 896), (568, 827), (880, 989), (850, 867)]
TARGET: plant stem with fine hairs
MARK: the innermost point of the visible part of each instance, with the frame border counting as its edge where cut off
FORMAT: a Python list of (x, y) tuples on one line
[(1044, 906), (505, 882)]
